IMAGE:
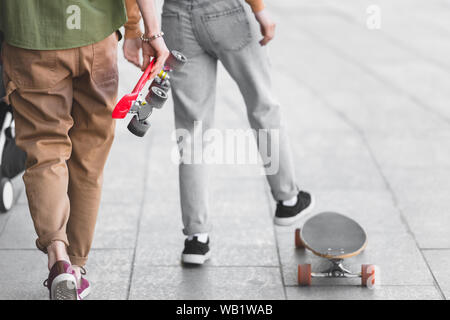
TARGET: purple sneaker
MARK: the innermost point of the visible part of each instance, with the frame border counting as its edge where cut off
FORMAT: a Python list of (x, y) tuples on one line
[(61, 282), (84, 289)]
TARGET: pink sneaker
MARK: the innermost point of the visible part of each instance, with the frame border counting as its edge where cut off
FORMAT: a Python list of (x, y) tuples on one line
[(84, 288), (61, 282)]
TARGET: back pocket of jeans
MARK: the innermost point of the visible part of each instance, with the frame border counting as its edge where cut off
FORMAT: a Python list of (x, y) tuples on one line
[(228, 30), (171, 26)]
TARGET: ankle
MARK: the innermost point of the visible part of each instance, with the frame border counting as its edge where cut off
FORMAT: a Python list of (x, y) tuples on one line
[(57, 251), (77, 270), (290, 202), (202, 237)]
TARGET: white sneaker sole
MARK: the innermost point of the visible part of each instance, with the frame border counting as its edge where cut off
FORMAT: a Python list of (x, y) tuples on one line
[(64, 287), (289, 221), (195, 258)]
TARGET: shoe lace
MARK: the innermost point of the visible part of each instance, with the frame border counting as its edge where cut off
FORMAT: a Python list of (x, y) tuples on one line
[(45, 283)]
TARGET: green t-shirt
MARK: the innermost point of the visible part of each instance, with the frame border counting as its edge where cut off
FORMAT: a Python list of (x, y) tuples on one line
[(59, 24)]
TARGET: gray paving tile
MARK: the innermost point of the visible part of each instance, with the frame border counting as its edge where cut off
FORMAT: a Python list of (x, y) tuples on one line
[(19, 194), (18, 232), (430, 178), (439, 260), (359, 96), (116, 226), (428, 216), (29, 268), (123, 177), (427, 28), (362, 49), (4, 217), (206, 283), (335, 160), (413, 152), (334, 173), (108, 273), (360, 293), (296, 99)]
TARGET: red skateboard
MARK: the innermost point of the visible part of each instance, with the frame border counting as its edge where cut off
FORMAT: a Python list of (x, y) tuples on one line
[(157, 96)]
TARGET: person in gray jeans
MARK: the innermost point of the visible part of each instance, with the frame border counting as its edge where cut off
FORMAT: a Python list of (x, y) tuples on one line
[(207, 31)]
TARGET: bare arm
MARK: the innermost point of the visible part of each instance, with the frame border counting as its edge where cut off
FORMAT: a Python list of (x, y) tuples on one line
[(257, 5), (132, 28), (267, 26), (132, 43), (157, 47), (265, 21)]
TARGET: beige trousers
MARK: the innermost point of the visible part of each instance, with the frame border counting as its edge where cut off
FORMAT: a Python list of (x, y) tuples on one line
[(62, 102)]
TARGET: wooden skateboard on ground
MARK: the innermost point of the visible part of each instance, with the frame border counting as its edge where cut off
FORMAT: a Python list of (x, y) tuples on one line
[(335, 237)]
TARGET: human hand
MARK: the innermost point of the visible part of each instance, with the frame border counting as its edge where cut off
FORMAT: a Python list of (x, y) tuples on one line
[(267, 26), (155, 48), (131, 48)]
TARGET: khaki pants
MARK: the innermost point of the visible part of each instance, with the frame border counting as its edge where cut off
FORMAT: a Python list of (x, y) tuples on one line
[(62, 101)]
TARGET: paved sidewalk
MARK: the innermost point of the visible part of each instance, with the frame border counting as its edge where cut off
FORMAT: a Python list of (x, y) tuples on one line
[(369, 121)]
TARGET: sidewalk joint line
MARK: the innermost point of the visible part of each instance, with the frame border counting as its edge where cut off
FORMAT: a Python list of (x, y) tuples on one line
[(141, 211), (277, 246)]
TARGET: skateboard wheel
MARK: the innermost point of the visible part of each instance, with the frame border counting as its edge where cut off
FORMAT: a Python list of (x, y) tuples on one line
[(176, 60), (138, 128), (144, 112), (304, 274), (298, 240), (156, 97), (165, 85), (7, 195), (368, 275)]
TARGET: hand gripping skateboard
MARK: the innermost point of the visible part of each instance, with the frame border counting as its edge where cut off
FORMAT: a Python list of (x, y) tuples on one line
[(335, 237), (156, 97)]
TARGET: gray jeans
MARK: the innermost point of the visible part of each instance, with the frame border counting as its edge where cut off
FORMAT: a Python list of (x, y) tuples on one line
[(207, 31)]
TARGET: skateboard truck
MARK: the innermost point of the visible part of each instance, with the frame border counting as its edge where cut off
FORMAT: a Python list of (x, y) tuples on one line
[(334, 237), (337, 270), (142, 108)]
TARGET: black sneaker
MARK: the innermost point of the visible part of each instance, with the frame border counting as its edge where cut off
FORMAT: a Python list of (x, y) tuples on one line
[(287, 215), (195, 252)]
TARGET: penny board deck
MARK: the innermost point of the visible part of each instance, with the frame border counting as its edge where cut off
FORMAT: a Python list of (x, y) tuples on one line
[(334, 236)]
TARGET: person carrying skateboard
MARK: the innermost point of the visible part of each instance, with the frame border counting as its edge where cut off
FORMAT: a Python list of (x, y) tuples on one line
[(60, 73), (207, 31)]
